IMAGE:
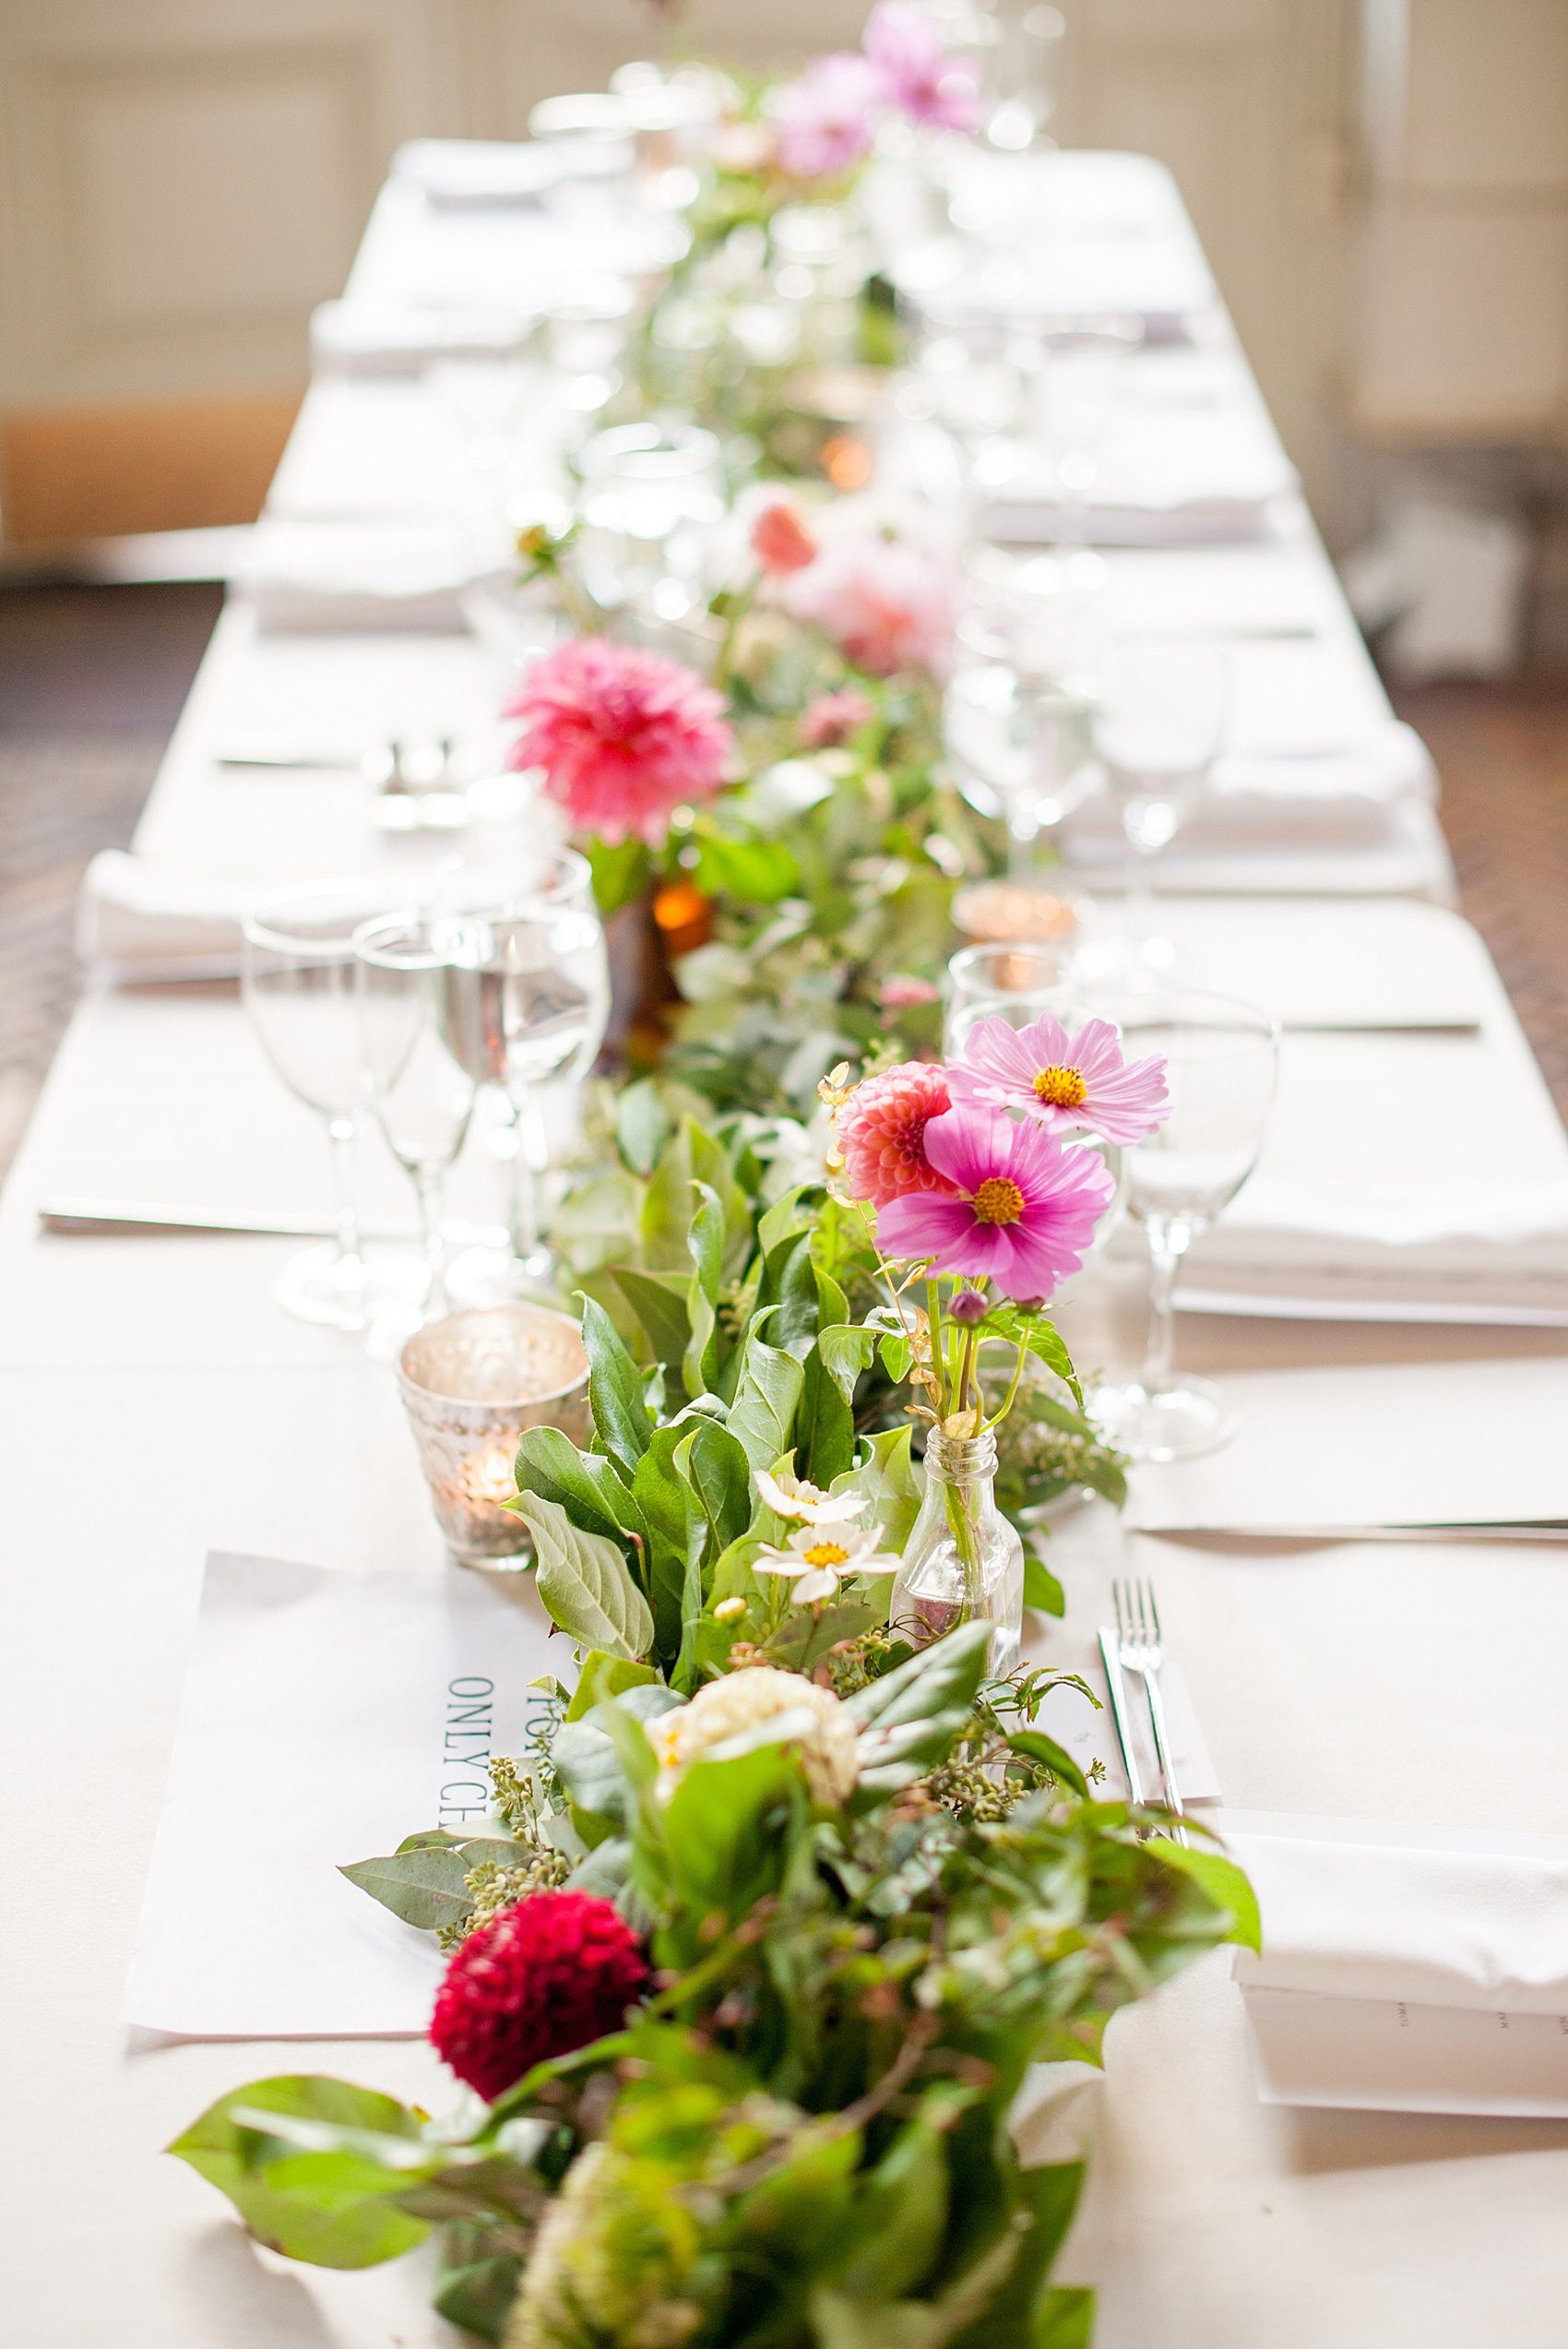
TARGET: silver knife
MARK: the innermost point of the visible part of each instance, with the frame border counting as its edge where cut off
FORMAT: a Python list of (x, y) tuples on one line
[(1507, 1529), (1116, 1689)]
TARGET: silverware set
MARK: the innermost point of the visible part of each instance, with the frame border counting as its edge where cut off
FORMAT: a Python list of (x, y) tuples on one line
[(1136, 1647)]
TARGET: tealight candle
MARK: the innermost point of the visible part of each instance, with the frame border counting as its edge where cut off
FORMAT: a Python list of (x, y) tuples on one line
[(470, 1383)]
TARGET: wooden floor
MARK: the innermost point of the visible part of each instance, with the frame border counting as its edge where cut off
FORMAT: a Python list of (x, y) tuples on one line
[(92, 679)]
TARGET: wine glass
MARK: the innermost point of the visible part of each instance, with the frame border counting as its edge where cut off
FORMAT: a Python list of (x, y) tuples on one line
[(1221, 1062), (1020, 748), (524, 992), (422, 1097), (297, 978), (1159, 728), (1084, 385), (652, 499)]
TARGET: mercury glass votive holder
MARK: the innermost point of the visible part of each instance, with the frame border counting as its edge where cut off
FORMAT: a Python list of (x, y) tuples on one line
[(470, 1383)]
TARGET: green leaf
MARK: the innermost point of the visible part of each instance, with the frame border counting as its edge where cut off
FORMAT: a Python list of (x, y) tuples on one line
[(847, 1350), (889, 1483), (661, 1302), (642, 1125), (715, 1465), (824, 1426), (1033, 1745), (603, 1677), (589, 1769), (1221, 1880), (1041, 1589), (1007, 1321), (586, 1583), (762, 1416), (752, 872), (1063, 2320), (424, 1887), (723, 1851), (480, 2294), (620, 872), (909, 1718), (1048, 2195), (361, 2230), (551, 1467), (615, 1390), (705, 1240), (902, 2216)]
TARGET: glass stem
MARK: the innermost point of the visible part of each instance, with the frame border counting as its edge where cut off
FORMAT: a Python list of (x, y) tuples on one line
[(342, 1132), (428, 1183), (1137, 904), (1023, 832), (521, 1226), (1167, 1244)]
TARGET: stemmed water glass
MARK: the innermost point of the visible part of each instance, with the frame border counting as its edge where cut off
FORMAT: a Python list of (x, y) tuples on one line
[(1019, 984), (524, 995), (1020, 748), (298, 983), (1159, 728), (1221, 1061), (422, 1097)]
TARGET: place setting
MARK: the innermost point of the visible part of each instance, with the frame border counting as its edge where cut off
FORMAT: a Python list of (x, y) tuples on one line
[(788, 931)]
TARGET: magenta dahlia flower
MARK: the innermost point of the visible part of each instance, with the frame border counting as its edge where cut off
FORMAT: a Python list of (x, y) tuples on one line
[(555, 1972), (623, 736), (881, 1132), (824, 121), (1019, 1208), (1063, 1080), (890, 605), (904, 46)]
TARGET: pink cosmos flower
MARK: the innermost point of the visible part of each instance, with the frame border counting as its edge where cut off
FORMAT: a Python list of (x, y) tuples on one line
[(823, 123), (623, 736), (832, 718), (1021, 1207), (889, 605), (904, 46), (780, 540), (1062, 1080), (881, 1130)]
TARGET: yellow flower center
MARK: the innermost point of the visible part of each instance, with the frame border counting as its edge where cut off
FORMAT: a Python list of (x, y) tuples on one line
[(998, 1201), (825, 1553), (1061, 1088)]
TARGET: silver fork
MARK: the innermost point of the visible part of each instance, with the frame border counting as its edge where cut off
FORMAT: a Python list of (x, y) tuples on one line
[(1142, 1652)]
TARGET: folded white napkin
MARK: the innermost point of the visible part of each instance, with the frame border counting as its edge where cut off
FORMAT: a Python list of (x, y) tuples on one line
[(1350, 799), (362, 338), (1453, 1251), (355, 579), (1436, 1917), (504, 170), (136, 921)]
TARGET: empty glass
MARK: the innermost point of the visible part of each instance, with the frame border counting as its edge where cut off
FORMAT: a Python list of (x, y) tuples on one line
[(422, 1096), (1159, 728), (524, 1000), (652, 499), (1221, 1060), (298, 982), (1082, 392), (1020, 748), (1016, 983)]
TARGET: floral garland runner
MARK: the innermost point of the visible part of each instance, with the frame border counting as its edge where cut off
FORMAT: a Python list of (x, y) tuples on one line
[(791, 1888)]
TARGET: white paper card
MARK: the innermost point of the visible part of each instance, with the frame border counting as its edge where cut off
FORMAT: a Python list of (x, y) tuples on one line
[(326, 1716), (1089, 1736)]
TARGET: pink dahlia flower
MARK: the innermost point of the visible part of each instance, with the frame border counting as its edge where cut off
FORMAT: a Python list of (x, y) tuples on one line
[(1020, 1207), (904, 46), (832, 718), (889, 605), (623, 736), (823, 123), (881, 1131), (1063, 1080), (780, 540)]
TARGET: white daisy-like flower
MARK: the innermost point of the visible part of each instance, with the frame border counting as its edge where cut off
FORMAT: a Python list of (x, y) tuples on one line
[(821, 1557), (797, 1496), (725, 1708)]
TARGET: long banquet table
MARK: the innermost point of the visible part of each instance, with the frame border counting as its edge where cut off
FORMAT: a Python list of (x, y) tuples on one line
[(156, 1405)]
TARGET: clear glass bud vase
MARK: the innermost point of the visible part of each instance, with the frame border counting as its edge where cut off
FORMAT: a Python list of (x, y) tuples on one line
[(963, 1561)]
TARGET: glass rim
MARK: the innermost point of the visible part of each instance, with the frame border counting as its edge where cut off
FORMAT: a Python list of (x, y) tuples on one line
[(1254, 1021), (256, 926), (970, 958)]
